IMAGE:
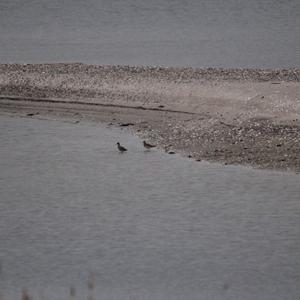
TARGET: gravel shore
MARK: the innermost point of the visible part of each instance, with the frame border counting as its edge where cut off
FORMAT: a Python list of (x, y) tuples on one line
[(237, 116)]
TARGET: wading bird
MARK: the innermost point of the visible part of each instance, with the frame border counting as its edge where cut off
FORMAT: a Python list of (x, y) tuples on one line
[(121, 148)]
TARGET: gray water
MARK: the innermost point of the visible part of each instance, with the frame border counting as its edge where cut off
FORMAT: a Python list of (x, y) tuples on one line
[(144, 224), (215, 33)]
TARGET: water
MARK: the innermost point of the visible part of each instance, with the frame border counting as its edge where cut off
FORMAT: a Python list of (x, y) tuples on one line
[(144, 224), (216, 33)]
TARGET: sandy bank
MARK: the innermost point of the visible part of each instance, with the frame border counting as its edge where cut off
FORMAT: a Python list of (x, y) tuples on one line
[(233, 116)]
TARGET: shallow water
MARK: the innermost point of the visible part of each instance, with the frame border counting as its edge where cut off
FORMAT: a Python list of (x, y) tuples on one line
[(215, 33), (144, 224)]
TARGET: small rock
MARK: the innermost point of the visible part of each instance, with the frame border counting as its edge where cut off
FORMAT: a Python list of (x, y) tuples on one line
[(126, 124), (171, 152)]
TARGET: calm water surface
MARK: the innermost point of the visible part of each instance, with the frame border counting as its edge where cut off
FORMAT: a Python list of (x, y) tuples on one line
[(232, 33), (144, 225)]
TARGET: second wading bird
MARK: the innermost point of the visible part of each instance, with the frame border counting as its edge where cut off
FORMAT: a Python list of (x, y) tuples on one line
[(121, 148), (148, 146)]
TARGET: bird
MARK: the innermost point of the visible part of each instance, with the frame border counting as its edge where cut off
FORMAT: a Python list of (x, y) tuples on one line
[(148, 146), (121, 148)]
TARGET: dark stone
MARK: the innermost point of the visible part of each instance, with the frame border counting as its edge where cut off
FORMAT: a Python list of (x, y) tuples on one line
[(126, 124)]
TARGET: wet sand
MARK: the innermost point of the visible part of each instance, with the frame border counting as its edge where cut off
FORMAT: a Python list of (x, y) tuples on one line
[(237, 116)]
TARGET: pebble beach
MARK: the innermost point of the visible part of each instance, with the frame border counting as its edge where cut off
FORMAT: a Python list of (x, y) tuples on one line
[(232, 116)]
